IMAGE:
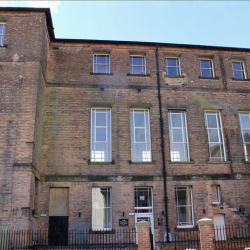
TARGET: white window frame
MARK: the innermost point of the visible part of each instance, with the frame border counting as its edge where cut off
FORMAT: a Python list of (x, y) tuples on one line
[(211, 69), (166, 66), (220, 133), (104, 64), (108, 141), (2, 35), (133, 140), (149, 208), (184, 142), (217, 187), (94, 207), (188, 188), (247, 157), (242, 63), (132, 66)]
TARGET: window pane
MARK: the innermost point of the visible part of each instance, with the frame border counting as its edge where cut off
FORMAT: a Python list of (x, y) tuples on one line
[(245, 121), (139, 119), (137, 70), (172, 71), (177, 135), (100, 119), (247, 151), (206, 73), (238, 74), (205, 64), (172, 62), (101, 134), (211, 121), (101, 69), (103, 59), (176, 120), (246, 135), (215, 150), (237, 66), (213, 135), (140, 135), (137, 61), (178, 152)]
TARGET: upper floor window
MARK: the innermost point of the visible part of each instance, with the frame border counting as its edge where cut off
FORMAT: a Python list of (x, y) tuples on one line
[(245, 132), (238, 70), (184, 206), (172, 66), (137, 65), (215, 136), (101, 135), (140, 136), (178, 136), (206, 68), (101, 209), (101, 64), (2, 33)]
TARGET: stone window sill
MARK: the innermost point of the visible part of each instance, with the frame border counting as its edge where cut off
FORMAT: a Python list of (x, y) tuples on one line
[(100, 163), (210, 78), (219, 162), (181, 162), (93, 73), (238, 79), (142, 163), (4, 46), (142, 75), (168, 76)]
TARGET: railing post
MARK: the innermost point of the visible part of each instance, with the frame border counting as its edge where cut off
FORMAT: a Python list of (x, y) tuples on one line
[(143, 229), (206, 227)]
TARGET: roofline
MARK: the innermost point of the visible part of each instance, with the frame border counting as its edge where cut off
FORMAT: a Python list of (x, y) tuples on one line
[(52, 34), (177, 45), (45, 10)]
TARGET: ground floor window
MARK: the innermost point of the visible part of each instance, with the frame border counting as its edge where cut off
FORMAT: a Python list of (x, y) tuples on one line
[(184, 206), (101, 209)]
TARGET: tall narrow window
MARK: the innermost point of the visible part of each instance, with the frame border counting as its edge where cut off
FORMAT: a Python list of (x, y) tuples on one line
[(206, 68), (101, 209), (2, 33), (143, 200), (172, 66), (215, 136), (178, 136), (101, 135), (101, 64), (215, 196), (137, 65), (140, 136), (245, 132), (184, 206)]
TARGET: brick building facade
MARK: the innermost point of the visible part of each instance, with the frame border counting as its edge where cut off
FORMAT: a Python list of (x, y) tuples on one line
[(99, 133)]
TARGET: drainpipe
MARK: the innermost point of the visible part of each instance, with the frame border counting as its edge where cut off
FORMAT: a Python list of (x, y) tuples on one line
[(162, 142)]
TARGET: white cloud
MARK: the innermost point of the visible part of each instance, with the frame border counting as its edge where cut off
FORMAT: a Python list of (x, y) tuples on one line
[(53, 5)]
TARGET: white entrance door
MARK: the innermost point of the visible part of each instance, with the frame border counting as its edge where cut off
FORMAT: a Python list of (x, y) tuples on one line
[(219, 226), (148, 218)]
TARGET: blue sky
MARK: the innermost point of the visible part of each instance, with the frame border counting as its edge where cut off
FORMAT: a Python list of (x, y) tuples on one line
[(219, 23)]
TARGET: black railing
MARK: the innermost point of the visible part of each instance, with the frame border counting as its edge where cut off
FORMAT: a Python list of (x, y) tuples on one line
[(76, 239), (232, 237), (189, 239)]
